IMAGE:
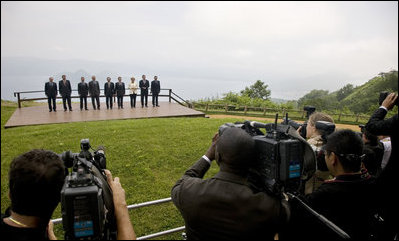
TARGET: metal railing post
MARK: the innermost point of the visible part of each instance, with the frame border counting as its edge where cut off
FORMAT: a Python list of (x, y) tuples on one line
[(19, 100)]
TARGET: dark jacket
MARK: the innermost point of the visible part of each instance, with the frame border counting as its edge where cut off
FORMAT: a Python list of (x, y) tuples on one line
[(94, 88), (109, 91), (144, 87), (373, 157), (65, 90), (155, 87), (50, 90), (388, 179), (120, 88), (348, 201), (83, 89), (389, 127), (225, 207)]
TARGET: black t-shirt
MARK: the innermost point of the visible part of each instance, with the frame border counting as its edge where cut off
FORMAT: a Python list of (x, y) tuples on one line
[(13, 233), (349, 201)]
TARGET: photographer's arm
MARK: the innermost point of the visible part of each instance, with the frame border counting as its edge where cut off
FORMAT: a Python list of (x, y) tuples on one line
[(50, 231), (124, 226), (197, 171), (376, 124)]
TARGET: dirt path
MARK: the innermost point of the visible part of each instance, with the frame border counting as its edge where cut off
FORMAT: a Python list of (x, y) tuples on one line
[(339, 126)]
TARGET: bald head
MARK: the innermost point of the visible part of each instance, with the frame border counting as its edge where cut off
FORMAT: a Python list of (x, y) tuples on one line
[(235, 148)]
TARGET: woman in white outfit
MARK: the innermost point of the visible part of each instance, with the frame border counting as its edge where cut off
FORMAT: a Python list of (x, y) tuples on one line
[(133, 92)]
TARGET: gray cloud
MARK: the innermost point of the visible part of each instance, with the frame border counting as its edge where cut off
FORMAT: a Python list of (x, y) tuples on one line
[(292, 46)]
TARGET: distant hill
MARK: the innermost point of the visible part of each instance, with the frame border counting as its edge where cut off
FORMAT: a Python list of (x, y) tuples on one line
[(366, 96), (359, 99), (279, 101)]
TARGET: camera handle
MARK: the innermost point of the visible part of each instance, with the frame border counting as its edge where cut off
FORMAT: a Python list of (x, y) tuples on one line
[(341, 233)]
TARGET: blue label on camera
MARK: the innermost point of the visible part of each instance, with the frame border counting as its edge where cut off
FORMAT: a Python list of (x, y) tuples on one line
[(83, 228), (295, 171)]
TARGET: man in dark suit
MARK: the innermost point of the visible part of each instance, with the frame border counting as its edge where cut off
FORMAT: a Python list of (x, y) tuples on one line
[(50, 88), (155, 89), (120, 92), (144, 85), (388, 177), (94, 90), (65, 92), (83, 90), (225, 206), (109, 91)]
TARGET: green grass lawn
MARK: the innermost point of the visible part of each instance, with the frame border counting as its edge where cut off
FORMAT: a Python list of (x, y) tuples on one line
[(149, 156)]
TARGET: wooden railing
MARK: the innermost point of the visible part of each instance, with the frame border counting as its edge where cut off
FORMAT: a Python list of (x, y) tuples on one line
[(271, 112)]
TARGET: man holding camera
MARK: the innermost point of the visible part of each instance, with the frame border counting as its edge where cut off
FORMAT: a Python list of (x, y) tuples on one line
[(36, 179), (374, 152), (348, 200), (225, 206), (316, 138), (378, 125)]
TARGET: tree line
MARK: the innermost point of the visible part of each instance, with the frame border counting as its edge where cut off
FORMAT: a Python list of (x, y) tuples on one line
[(349, 99)]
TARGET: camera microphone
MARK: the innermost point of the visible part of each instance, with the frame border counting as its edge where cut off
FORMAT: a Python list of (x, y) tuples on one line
[(257, 124), (101, 149)]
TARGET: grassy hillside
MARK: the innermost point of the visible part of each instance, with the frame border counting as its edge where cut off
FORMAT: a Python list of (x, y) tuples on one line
[(365, 97), (360, 99), (149, 156)]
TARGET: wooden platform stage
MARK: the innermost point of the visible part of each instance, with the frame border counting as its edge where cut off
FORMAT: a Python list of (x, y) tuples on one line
[(38, 115)]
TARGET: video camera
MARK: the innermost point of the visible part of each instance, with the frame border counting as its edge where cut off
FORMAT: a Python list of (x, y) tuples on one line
[(325, 128), (309, 110), (283, 161), (279, 163), (86, 197)]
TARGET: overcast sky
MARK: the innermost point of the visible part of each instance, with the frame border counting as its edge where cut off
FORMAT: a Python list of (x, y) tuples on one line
[(214, 47)]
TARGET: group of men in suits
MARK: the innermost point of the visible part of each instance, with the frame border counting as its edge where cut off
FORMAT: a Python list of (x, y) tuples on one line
[(155, 89), (93, 88)]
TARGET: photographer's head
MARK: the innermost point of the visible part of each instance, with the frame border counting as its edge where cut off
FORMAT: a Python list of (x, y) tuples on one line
[(311, 130), (343, 152), (234, 150), (35, 182), (369, 138)]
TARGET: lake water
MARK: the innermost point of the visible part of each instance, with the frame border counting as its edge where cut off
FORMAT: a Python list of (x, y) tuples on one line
[(189, 89)]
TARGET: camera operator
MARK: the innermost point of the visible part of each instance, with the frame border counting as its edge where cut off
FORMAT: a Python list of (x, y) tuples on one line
[(347, 200), (377, 125), (374, 152), (224, 206), (316, 138), (35, 182)]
